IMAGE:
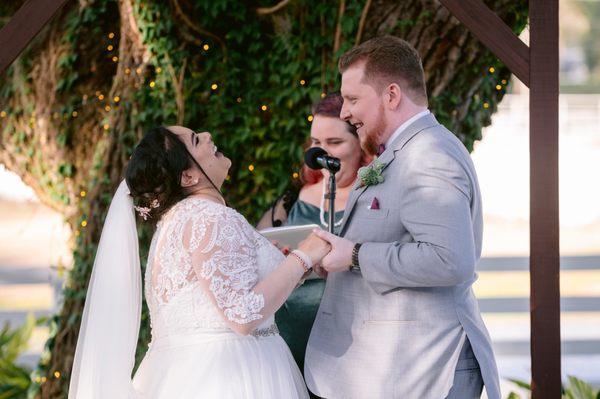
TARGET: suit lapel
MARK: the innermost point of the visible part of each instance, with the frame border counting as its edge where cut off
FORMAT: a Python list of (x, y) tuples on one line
[(386, 158)]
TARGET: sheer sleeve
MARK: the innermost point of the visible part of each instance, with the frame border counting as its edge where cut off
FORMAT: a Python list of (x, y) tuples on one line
[(223, 252)]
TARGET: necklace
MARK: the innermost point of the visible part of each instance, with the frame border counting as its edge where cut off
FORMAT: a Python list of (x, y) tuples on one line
[(322, 209)]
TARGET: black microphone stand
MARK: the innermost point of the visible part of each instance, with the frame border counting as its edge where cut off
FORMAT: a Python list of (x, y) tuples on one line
[(331, 197)]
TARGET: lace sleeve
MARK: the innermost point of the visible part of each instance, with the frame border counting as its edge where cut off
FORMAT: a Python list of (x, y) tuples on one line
[(224, 257)]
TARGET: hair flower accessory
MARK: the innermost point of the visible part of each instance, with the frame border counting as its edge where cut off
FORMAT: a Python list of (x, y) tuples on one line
[(144, 211)]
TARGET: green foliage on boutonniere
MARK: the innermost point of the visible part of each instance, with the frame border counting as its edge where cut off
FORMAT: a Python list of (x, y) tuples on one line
[(371, 174)]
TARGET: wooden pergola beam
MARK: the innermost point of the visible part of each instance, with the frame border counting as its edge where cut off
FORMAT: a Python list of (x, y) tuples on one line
[(493, 33), (23, 27)]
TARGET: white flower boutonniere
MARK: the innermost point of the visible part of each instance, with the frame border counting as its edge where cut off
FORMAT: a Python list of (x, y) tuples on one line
[(371, 175)]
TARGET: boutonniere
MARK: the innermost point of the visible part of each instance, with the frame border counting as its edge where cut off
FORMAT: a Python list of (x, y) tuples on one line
[(371, 175)]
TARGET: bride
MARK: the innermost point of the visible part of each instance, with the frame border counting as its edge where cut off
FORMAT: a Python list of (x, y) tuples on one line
[(212, 285)]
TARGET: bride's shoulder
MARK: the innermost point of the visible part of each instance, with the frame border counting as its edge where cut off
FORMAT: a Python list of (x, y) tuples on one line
[(199, 207)]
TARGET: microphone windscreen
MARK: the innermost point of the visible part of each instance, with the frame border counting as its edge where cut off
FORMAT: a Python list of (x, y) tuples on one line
[(311, 155)]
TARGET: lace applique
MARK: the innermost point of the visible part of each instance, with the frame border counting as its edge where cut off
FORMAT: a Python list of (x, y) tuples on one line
[(225, 249)]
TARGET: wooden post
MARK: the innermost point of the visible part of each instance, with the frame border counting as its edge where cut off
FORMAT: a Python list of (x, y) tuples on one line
[(23, 27), (544, 223)]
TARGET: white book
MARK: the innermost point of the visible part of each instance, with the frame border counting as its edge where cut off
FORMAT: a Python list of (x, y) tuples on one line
[(289, 236)]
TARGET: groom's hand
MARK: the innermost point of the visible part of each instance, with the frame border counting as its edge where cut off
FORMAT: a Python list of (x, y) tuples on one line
[(340, 257)]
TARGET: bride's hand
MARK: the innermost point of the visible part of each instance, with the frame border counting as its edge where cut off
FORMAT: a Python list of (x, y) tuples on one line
[(315, 247)]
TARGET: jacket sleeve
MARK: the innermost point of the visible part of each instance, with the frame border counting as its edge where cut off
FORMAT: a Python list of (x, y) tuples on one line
[(436, 211)]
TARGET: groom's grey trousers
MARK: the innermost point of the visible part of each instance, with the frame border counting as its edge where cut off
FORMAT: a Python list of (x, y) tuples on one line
[(468, 383)]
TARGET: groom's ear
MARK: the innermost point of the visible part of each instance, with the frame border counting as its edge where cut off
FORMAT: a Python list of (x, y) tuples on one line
[(393, 96)]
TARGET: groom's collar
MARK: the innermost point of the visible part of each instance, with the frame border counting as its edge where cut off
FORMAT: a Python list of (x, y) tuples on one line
[(404, 126), (424, 122)]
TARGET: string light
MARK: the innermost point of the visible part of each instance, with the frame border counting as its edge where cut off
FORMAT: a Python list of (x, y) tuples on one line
[(3, 114), (503, 81), (498, 87), (101, 97), (43, 379), (106, 126), (115, 58), (152, 84), (264, 107), (127, 71), (117, 99), (111, 35), (239, 99), (84, 223), (228, 178), (302, 82), (138, 71), (310, 118), (158, 70), (492, 69), (57, 374), (251, 168), (110, 47), (82, 194), (323, 95), (214, 86), (295, 175), (74, 114), (107, 108), (206, 47), (486, 105)]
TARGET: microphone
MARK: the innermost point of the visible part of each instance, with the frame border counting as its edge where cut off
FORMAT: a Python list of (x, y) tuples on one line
[(317, 158)]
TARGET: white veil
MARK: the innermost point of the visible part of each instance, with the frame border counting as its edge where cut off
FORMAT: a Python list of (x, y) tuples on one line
[(105, 354)]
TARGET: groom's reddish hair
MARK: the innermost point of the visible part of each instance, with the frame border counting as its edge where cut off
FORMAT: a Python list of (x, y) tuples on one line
[(388, 59)]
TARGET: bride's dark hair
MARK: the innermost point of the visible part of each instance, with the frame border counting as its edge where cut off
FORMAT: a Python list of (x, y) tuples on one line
[(154, 172)]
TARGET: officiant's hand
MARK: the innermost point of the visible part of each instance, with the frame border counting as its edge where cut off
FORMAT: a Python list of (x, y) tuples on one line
[(340, 257), (315, 248)]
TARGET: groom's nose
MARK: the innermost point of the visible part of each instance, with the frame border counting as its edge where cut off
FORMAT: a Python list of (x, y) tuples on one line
[(344, 113)]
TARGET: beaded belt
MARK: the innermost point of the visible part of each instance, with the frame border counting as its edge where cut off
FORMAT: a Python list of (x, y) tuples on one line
[(266, 332)]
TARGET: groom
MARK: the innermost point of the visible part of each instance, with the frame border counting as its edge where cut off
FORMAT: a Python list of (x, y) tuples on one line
[(398, 317)]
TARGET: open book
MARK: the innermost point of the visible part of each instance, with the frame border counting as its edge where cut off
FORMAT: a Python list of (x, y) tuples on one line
[(289, 236)]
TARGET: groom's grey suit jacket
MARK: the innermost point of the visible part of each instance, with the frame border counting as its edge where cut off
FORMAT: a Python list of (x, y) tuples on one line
[(395, 329)]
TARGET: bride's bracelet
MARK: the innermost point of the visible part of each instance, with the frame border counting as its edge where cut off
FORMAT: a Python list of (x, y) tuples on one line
[(304, 260)]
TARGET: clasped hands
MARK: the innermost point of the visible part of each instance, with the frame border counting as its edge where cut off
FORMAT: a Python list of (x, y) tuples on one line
[(328, 252)]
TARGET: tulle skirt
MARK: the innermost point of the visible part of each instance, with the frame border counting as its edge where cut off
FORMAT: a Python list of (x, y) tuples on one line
[(219, 365)]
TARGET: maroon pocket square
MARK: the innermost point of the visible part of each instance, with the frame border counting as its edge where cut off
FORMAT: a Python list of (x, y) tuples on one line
[(374, 204)]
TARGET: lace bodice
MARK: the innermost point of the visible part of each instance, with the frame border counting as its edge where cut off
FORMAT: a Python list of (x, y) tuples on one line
[(204, 260)]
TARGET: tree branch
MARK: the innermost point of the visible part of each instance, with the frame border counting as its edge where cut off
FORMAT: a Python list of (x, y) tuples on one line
[(271, 10), (361, 24)]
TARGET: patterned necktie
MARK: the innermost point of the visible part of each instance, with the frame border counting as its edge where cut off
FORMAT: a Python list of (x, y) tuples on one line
[(381, 149)]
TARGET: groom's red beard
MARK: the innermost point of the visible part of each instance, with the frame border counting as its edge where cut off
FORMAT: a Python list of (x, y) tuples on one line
[(371, 140)]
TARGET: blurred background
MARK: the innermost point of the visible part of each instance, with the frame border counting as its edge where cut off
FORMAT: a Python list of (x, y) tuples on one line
[(35, 251)]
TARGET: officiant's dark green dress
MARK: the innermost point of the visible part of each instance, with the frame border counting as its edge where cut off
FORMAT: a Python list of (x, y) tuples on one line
[(297, 315)]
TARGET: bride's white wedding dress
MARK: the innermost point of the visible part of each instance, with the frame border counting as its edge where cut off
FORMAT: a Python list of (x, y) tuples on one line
[(203, 262)]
